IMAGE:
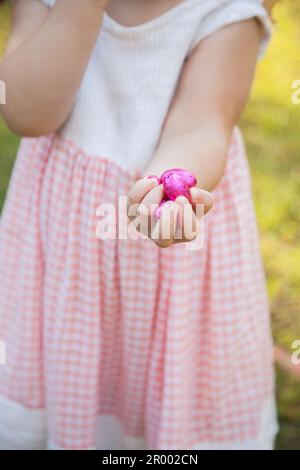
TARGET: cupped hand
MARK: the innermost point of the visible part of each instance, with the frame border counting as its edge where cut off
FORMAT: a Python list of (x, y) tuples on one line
[(179, 220)]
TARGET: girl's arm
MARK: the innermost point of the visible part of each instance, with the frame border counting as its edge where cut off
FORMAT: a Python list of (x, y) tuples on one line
[(45, 61), (210, 98)]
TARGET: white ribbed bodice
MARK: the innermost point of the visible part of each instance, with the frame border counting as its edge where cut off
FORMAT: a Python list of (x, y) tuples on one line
[(132, 75)]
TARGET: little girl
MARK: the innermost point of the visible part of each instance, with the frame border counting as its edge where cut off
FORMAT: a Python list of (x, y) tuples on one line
[(122, 343)]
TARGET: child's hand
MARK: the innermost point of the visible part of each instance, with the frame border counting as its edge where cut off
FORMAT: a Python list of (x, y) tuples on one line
[(179, 219)]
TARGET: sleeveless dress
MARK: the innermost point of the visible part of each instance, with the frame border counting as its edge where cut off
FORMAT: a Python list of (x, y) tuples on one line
[(117, 344)]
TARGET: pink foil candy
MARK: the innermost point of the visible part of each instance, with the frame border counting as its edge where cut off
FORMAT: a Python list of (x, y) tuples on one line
[(176, 182)]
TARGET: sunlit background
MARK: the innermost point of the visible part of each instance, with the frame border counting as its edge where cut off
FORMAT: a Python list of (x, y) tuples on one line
[(271, 126)]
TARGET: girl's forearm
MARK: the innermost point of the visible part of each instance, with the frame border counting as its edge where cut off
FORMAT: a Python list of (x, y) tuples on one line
[(44, 73), (205, 108), (203, 152)]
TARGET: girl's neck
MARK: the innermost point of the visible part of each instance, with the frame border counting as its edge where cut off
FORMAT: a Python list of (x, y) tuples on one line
[(135, 12)]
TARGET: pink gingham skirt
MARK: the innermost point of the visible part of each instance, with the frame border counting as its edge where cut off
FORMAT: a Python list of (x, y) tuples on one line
[(174, 344)]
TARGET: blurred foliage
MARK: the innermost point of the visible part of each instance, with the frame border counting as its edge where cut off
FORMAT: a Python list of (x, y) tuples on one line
[(271, 127), (4, 30), (8, 142)]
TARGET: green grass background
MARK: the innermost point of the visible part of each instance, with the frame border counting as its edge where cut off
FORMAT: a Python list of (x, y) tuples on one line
[(271, 127)]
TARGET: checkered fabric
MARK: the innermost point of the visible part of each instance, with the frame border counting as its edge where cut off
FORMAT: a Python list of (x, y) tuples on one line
[(174, 343)]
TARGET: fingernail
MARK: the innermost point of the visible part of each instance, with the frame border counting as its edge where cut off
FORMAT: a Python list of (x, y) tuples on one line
[(182, 199), (196, 193), (201, 194), (152, 177)]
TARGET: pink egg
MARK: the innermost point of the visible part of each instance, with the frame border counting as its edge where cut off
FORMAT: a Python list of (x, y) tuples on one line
[(176, 182)]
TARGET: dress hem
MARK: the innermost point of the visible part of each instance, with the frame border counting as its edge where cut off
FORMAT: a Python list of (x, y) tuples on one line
[(22, 428)]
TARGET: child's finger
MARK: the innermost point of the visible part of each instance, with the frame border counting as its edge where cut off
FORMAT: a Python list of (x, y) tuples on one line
[(137, 193), (152, 198), (164, 230), (200, 196), (144, 210), (188, 223)]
